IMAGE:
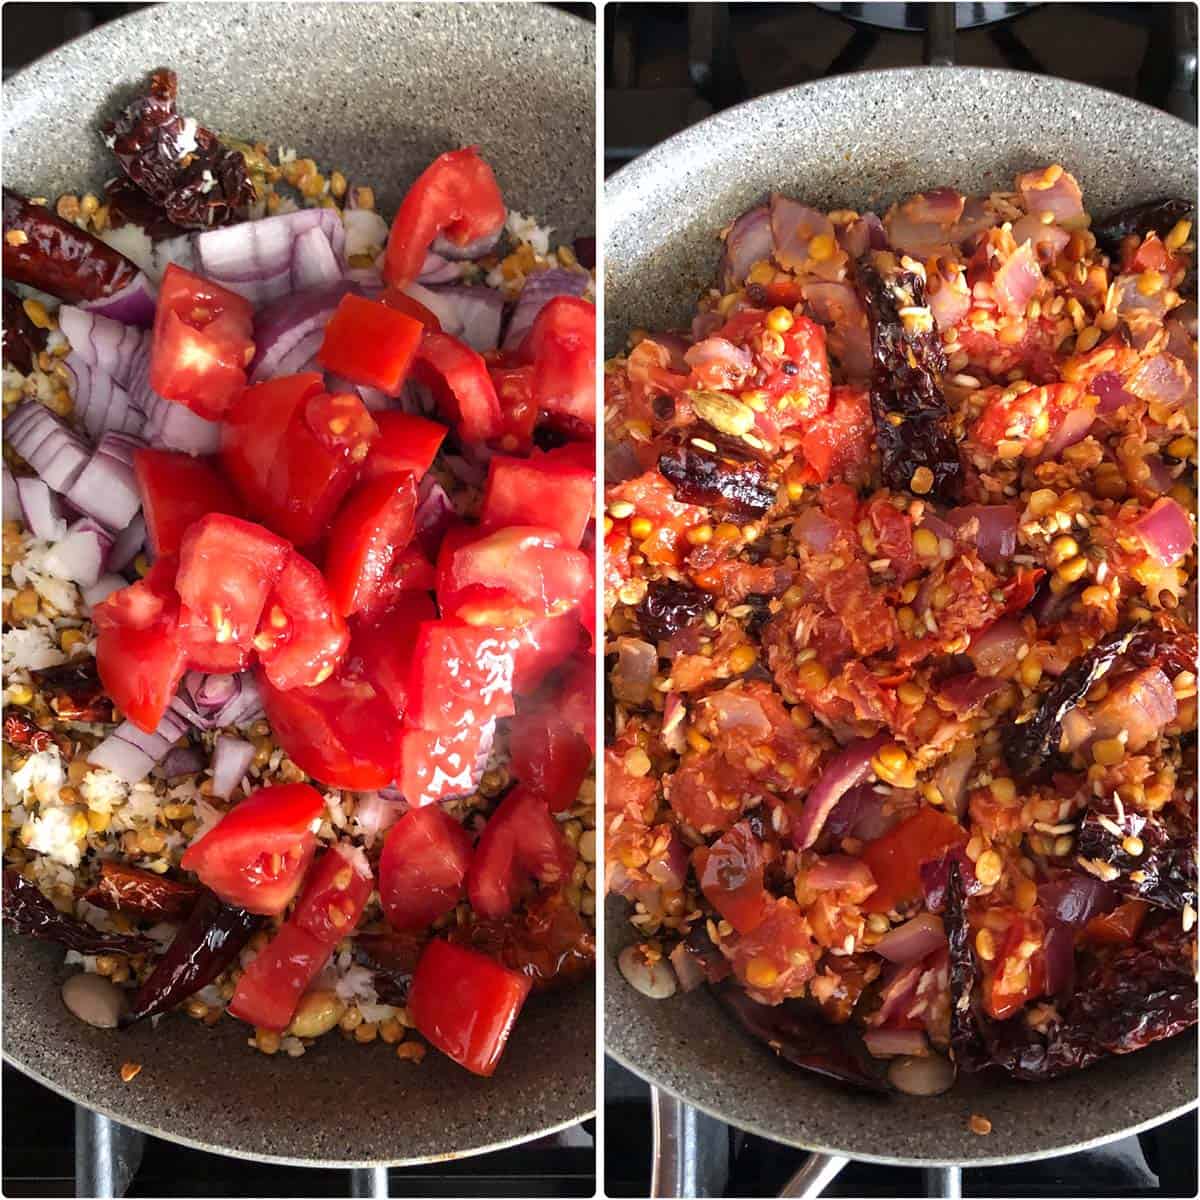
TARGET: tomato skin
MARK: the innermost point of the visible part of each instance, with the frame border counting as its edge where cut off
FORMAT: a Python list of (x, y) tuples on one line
[(551, 489), (521, 840), (269, 990), (561, 344), (1119, 927), (204, 652), (456, 196), (140, 656), (548, 755), (1001, 1001), (334, 896), (895, 859), (458, 378), (368, 534), (839, 440), (730, 872), (406, 443), (227, 568), (176, 490), (466, 1004), (341, 732), (518, 412), (422, 867), (382, 647), (202, 343), (300, 639), (411, 307), (256, 855), (439, 764), (539, 646), (461, 676), (370, 343)]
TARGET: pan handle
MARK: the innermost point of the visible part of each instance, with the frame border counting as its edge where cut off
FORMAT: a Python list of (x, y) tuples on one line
[(818, 1172), (690, 1152), (107, 1155), (940, 29)]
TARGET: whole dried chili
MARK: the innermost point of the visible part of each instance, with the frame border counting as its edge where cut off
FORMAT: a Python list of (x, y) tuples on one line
[(392, 956), (122, 888), (796, 1032), (912, 419), (1031, 748), (75, 693), (43, 251), (1123, 1001), (181, 166), (21, 730), (669, 606), (206, 943), (23, 340), (29, 911), (741, 490), (129, 205), (1157, 216)]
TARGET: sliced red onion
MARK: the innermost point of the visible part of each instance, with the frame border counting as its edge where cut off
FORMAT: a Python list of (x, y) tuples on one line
[(734, 711), (102, 405), (997, 646), (182, 760), (1110, 391), (436, 269), (633, 676), (965, 694), (315, 263), (1032, 229), (81, 555), (991, 527), (12, 498), (540, 288), (793, 227), (469, 251), (1062, 199), (232, 757), (1076, 425), (950, 777), (1015, 282), (377, 812), (688, 970), (292, 325), (242, 708), (840, 872), (888, 1043), (1162, 476), (373, 399), (134, 304), (898, 991), (913, 940), (131, 754), (179, 250), (748, 241), (669, 870), (1074, 899), (106, 488), (435, 514), (104, 344), (171, 426), (470, 313), (366, 232), (1058, 954), (815, 530), (202, 698), (260, 259), (935, 877), (103, 588), (129, 544), (58, 454), (706, 323), (846, 769), (1166, 531), (41, 509)]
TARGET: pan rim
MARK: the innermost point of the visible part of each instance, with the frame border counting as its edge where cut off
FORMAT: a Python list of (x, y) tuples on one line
[(624, 195), (20, 90)]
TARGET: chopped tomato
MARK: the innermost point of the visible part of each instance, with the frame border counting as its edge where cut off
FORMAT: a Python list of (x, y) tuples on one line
[(203, 342), (455, 196), (838, 440), (893, 539), (411, 307), (577, 696), (176, 490), (269, 990), (459, 380), (548, 489), (1015, 976), (342, 732), (368, 535), (895, 859), (227, 568), (422, 867), (382, 647), (342, 424), (140, 655), (411, 571), (300, 639), (406, 443), (519, 413), (439, 764), (1020, 589), (539, 646), (1028, 418), (204, 652), (562, 347), (548, 755), (335, 894), (730, 872), (520, 841), (256, 855), (511, 576), (462, 676), (370, 343), (466, 1004), (1119, 926)]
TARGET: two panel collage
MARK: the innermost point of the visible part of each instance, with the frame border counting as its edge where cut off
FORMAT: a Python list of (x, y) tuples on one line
[(599, 600)]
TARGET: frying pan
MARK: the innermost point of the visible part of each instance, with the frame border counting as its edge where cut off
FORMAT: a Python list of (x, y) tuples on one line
[(862, 141), (376, 90)]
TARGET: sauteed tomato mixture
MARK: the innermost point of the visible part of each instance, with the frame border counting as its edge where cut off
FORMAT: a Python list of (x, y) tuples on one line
[(900, 598), (298, 594)]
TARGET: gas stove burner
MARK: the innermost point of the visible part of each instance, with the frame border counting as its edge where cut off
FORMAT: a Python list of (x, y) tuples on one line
[(911, 18)]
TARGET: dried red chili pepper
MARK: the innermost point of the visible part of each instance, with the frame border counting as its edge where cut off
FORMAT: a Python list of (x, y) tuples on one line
[(23, 340), (123, 888), (20, 729), (29, 911), (75, 692)]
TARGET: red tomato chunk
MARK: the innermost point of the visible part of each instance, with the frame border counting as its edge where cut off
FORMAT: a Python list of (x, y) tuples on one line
[(406, 443), (551, 489), (370, 343), (459, 380), (176, 490), (422, 867), (335, 894), (270, 988)]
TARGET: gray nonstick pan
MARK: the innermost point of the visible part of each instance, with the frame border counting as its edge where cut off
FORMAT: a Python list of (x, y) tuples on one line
[(376, 90), (862, 141)]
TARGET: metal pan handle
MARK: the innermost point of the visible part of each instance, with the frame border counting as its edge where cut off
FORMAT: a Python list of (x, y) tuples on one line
[(940, 28), (107, 1155)]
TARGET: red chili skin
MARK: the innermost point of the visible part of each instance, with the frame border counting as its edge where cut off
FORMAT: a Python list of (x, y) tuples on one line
[(57, 257)]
